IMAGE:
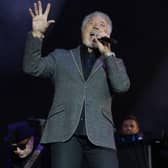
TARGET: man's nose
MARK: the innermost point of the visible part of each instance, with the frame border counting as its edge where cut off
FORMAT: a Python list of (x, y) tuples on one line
[(129, 128), (96, 27)]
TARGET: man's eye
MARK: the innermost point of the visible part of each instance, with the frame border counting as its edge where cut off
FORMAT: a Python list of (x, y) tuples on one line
[(90, 22), (102, 25)]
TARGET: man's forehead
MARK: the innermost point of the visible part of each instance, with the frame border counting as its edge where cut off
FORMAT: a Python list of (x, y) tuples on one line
[(98, 17), (130, 121)]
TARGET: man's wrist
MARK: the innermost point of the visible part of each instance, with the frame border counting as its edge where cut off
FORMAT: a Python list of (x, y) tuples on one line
[(38, 34), (110, 54)]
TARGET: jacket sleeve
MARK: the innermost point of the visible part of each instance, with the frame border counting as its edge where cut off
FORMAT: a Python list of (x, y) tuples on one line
[(116, 73), (33, 63)]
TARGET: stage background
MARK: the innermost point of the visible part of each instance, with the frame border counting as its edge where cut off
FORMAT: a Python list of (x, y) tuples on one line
[(139, 26)]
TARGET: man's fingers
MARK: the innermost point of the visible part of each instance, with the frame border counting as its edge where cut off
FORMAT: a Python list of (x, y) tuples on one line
[(31, 13), (47, 9), (36, 9), (108, 45), (40, 8), (50, 22), (98, 42)]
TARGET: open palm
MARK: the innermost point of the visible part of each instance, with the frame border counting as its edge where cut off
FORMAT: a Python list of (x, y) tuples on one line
[(40, 20)]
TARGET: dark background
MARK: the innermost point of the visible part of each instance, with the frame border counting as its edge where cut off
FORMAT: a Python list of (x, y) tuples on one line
[(139, 26)]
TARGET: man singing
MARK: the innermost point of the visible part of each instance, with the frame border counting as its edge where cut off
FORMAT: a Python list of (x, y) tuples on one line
[(80, 123)]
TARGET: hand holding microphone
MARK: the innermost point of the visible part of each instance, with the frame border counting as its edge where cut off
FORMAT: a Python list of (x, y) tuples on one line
[(103, 42)]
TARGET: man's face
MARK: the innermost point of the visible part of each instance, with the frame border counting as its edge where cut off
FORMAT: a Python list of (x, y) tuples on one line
[(130, 127), (24, 147), (96, 25)]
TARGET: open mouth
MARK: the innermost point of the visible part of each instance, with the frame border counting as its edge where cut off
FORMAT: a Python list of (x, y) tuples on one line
[(92, 34)]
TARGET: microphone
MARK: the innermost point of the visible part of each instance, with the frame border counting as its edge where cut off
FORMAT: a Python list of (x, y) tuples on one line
[(104, 39), (108, 40)]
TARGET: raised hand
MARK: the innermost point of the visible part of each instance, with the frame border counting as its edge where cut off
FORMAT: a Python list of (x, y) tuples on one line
[(40, 21)]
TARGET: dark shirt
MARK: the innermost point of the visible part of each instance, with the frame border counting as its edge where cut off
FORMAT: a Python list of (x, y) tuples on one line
[(20, 163), (87, 61), (132, 151)]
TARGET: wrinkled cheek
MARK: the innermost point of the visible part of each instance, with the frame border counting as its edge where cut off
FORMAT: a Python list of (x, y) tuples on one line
[(87, 42)]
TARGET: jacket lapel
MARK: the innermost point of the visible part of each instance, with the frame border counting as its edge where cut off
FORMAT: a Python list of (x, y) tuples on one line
[(75, 53), (98, 64)]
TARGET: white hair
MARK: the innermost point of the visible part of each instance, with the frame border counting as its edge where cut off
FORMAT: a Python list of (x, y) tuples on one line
[(97, 13)]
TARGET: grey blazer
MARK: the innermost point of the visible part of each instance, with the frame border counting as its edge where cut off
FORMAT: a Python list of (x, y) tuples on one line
[(64, 68)]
